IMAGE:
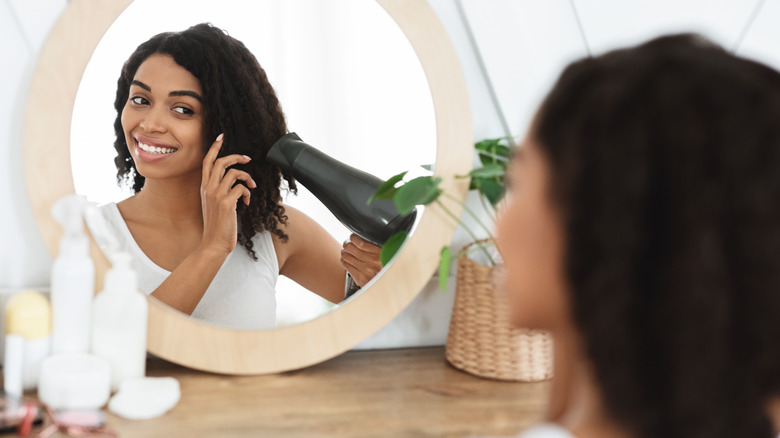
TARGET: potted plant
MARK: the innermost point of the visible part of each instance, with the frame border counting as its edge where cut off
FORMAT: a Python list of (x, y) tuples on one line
[(481, 340)]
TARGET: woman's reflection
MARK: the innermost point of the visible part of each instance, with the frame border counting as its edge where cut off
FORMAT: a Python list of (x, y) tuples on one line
[(206, 226)]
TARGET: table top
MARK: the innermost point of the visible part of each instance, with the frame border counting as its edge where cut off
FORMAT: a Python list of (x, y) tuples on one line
[(381, 393)]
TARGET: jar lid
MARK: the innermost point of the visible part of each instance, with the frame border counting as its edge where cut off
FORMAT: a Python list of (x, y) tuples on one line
[(28, 313)]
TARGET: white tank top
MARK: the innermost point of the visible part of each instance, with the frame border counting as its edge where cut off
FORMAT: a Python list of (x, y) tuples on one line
[(241, 296)]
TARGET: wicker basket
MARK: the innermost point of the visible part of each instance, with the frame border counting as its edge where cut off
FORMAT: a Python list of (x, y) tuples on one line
[(481, 341)]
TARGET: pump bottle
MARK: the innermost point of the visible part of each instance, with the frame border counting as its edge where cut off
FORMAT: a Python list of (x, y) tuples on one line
[(72, 280), (119, 323)]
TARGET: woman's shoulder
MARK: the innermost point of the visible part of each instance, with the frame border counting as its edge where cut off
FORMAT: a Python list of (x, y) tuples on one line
[(115, 214), (129, 209), (297, 227), (107, 212), (546, 430)]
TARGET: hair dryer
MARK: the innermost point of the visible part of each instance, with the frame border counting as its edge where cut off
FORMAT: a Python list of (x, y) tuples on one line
[(343, 189)]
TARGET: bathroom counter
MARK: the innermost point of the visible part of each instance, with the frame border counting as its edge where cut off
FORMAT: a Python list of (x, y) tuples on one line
[(381, 393)]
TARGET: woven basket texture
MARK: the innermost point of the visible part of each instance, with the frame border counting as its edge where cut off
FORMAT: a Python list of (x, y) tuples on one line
[(481, 340)]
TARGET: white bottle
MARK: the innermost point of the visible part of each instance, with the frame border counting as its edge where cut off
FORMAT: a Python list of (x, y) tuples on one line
[(28, 338), (119, 320), (72, 280)]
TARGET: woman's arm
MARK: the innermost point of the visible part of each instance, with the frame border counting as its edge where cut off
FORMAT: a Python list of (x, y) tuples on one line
[(310, 256), (185, 286), (314, 259), (188, 282)]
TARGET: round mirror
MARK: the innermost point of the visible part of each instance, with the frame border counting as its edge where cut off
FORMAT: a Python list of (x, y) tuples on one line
[(346, 76), (180, 339)]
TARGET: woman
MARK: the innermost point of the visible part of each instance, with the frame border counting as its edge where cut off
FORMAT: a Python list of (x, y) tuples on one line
[(195, 118), (643, 230)]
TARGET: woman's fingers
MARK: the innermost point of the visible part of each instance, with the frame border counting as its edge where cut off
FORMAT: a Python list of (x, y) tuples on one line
[(362, 248), (356, 262), (234, 175), (214, 169), (360, 277), (360, 271), (211, 157), (239, 191), (361, 259), (223, 177), (217, 178), (221, 165)]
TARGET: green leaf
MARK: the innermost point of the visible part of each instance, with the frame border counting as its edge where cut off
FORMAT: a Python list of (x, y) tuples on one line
[(420, 191), (387, 189), (490, 158), (494, 146), (503, 151), (391, 247), (444, 267), (428, 167), (487, 145), (489, 171), (492, 190)]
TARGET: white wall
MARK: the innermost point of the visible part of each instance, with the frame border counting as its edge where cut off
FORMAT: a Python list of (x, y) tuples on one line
[(24, 261), (523, 45), (526, 43)]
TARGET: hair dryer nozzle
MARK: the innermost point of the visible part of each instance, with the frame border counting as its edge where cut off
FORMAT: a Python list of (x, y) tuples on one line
[(284, 152)]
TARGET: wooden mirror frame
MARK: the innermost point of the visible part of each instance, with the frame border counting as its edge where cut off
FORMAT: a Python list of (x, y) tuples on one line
[(173, 335)]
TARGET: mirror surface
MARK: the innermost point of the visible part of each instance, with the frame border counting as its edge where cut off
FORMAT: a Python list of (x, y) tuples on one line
[(346, 76), (187, 341)]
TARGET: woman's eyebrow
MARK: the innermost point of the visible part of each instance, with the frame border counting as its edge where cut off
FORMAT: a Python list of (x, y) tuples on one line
[(142, 85), (172, 93), (186, 93)]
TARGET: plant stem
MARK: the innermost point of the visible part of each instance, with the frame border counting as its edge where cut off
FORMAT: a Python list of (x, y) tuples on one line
[(472, 214), (473, 236), (490, 211)]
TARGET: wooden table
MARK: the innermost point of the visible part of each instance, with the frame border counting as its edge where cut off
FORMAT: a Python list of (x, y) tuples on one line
[(384, 393)]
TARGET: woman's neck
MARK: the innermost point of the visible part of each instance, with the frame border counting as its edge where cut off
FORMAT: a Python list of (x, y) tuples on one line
[(584, 413), (170, 200)]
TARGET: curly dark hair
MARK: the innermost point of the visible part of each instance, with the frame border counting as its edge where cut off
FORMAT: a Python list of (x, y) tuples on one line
[(665, 166), (238, 101)]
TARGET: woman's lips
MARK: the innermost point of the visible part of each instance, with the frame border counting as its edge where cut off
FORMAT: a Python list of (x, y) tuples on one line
[(149, 149), (152, 150)]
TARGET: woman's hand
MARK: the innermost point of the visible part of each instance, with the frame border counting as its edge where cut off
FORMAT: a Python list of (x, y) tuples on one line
[(219, 193), (361, 259)]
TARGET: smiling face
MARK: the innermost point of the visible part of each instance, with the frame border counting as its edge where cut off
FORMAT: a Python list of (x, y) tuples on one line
[(163, 120), (530, 238)]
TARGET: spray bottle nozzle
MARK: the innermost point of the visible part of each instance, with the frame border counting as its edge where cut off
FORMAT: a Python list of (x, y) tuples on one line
[(68, 211)]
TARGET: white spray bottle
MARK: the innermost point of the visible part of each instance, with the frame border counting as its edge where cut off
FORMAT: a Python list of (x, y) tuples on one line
[(119, 323), (72, 280)]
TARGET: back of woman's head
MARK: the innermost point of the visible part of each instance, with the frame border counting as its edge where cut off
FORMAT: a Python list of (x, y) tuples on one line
[(238, 101), (665, 167)]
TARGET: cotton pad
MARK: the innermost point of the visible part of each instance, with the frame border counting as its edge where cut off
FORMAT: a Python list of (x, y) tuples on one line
[(145, 398)]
